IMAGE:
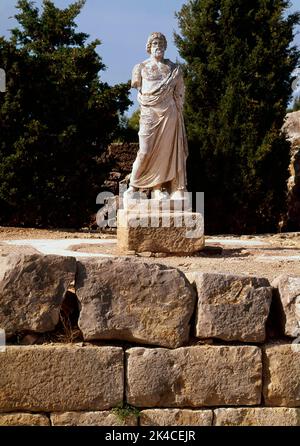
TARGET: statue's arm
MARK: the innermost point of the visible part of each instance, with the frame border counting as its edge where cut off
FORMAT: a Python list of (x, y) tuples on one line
[(136, 80), (179, 91)]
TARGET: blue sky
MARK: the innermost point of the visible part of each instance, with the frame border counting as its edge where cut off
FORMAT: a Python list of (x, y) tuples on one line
[(122, 26)]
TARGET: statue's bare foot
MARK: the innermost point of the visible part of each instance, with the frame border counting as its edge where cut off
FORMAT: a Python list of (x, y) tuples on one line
[(177, 194), (157, 194), (129, 193)]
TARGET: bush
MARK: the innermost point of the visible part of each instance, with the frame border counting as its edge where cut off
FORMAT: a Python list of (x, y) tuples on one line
[(56, 117), (238, 70)]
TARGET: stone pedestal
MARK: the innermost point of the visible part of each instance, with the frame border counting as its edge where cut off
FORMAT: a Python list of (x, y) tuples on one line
[(160, 227)]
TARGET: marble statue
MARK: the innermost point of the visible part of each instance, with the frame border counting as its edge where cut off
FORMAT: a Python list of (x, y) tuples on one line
[(160, 164)]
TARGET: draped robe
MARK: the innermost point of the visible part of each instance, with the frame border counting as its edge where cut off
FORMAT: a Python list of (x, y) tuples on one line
[(162, 133)]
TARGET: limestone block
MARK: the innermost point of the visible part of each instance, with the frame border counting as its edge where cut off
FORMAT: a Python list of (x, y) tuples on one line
[(131, 300), (60, 378), (32, 288), (8, 249), (292, 129), (171, 232), (194, 376), (258, 416), (281, 365), (176, 417), (288, 288), (103, 418), (23, 419), (232, 308)]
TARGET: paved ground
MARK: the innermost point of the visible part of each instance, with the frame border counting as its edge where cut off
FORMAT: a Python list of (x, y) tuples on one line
[(66, 247), (266, 255)]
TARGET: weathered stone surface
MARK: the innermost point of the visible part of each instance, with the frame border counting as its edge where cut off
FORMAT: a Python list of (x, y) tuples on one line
[(194, 376), (258, 416), (60, 378), (8, 249), (176, 417), (32, 288), (288, 289), (292, 128), (23, 419), (117, 158), (131, 300), (104, 418), (281, 364), (171, 232), (233, 308)]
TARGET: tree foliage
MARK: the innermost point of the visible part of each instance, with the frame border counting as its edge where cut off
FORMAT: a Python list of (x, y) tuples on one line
[(134, 120), (129, 127), (55, 118), (238, 70)]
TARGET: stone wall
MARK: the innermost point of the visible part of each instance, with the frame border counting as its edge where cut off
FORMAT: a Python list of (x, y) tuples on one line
[(120, 341), (117, 161)]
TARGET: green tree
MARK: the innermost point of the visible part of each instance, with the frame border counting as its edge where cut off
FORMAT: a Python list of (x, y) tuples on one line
[(55, 118), (134, 120), (238, 70), (129, 127)]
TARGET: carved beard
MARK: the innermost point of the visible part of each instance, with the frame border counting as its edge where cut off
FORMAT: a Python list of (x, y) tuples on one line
[(158, 51)]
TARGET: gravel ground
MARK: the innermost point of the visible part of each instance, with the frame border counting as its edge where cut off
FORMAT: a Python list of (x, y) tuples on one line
[(266, 255), (33, 233)]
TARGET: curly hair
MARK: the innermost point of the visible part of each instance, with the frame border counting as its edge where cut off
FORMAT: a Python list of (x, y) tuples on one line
[(153, 36)]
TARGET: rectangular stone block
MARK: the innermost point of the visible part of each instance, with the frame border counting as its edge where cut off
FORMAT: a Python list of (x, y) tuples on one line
[(60, 378), (287, 294), (131, 300), (103, 418), (176, 417), (169, 232), (281, 364), (23, 419), (32, 289), (258, 416), (232, 308), (194, 376)]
